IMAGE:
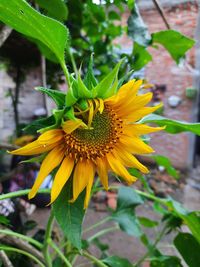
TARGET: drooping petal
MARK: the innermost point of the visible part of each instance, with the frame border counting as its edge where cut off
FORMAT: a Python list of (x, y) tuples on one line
[(102, 170), (51, 136), (140, 129), (119, 169), (33, 148), (129, 160), (83, 171), (71, 125), (52, 160), (134, 145), (61, 177), (88, 190)]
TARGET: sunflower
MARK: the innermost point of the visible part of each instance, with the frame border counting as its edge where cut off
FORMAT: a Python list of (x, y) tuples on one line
[(103, 137)]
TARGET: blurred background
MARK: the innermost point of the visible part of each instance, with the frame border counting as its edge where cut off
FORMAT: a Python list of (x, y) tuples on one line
[(105, 29)]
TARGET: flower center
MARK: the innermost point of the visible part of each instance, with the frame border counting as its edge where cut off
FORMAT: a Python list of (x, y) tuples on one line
[(105, 131)]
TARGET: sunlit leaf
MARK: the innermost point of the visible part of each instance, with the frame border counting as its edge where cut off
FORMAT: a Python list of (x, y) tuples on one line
[(172, 126), (176, 43), (140, 57), (19, 15)]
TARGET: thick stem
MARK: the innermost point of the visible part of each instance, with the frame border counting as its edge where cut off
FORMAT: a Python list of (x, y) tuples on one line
[(66, 72), (47, 240)]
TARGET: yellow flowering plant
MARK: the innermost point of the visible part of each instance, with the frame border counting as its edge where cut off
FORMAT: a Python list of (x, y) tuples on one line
[(97, 132)]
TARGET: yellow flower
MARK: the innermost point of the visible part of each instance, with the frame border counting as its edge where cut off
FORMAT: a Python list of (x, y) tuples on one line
[(103, 137)]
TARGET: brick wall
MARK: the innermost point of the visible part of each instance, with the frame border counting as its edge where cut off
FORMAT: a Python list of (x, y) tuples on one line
[(164, 71)]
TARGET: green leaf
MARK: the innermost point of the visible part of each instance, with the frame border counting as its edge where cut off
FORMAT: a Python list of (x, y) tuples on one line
[(58, 115), (131, 4), (56, 9), (141, 56), (147, 222), (176, 43), (112, 15), (35, 159), (4, 220), (137, 29), (19, 15), (70, 215), (115, 261), (165, 162), (90, 80), (70, 99), (83, 91), (36, 125), (127, 198), (105, 88), (57, 96), (172, 126), (127, 222), (166, 261), (189, 249)]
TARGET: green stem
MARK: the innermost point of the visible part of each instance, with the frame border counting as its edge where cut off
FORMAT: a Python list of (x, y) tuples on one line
[(5, 248), (106, 219), (26, 238), (66, 72), (59, 252), (47, 239), (94, 259), (103, 232), (73, 62), (157, 240), (21, 193)]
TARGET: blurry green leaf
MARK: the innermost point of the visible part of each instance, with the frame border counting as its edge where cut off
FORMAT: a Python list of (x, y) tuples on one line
[(56, 9), (166, 261), (176, 43), (165, 162), (19, 15), (172, 126), (57, 96), (137, 29), (112, 15), (127, 198), (35, 159), (36, 125), (131, 4), (141, 57), (189, 249), (115, 261), (90, 80), (70, 215), (147, 222), (100, 245), (127, 222), (4, 220)]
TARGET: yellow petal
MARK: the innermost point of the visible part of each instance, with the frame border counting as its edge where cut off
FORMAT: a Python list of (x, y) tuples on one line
[(71, 125), (52, 160), (119, 169), (51, 136), (139, 113), (61, 177), (140, 129), (131, 106), (135, 145), (101, 105), (88, 190), (33, 149), (83, 171), (129, 160), (102, 170)]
